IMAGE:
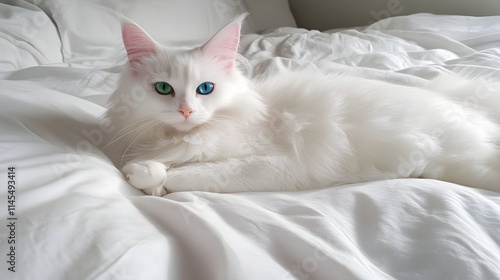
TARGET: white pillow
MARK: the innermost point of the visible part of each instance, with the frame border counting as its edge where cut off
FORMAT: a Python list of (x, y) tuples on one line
[(90, 29)]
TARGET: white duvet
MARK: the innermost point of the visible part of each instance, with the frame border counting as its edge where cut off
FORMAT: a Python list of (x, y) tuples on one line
[(73, 216)]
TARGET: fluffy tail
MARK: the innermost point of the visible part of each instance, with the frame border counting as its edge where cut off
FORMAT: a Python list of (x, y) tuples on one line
[(471, 91)]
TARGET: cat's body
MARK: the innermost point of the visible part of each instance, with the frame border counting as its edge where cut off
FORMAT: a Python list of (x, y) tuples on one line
[(294, 131)]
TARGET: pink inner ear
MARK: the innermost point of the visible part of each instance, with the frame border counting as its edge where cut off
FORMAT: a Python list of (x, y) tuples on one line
[(137, 42), (224, 45)]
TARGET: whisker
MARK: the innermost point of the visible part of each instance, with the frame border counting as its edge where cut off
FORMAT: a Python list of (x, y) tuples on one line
[(117, 136), (136, 129), (133, 135)]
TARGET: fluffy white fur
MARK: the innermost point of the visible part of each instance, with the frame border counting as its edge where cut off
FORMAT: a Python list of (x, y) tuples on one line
[(294, 131)]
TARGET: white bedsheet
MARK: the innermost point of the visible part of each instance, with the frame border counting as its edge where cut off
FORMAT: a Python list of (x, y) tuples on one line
[(27, 37), (77, 218)]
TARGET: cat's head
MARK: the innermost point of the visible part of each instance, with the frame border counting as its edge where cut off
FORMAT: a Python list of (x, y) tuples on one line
[(187, 87)]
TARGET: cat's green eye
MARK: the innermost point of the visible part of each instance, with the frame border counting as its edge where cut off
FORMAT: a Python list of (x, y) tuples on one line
[(164, 88)]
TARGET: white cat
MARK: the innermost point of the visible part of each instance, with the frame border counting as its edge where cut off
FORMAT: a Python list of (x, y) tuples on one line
[(188, 120)]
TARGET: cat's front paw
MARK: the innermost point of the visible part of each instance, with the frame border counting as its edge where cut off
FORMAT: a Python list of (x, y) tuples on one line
[(148, 176)]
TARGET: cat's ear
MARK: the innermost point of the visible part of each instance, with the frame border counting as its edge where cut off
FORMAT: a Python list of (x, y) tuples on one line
[(223, 46), (137, 42)]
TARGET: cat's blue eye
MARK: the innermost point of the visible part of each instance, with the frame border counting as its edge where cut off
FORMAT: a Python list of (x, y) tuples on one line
[(205, 88), (164, 88)]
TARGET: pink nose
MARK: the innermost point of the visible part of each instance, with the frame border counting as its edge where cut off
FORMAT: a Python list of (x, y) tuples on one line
[(186, 111)]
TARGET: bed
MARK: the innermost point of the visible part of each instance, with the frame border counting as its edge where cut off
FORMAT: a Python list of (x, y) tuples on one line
[(68, 213)]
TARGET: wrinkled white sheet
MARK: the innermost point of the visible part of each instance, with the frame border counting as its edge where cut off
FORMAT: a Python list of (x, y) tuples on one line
[(77, 218), (27, 37)]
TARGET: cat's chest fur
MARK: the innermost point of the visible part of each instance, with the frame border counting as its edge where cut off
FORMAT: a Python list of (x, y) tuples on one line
[(214, 143)]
